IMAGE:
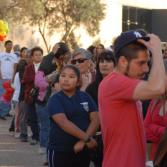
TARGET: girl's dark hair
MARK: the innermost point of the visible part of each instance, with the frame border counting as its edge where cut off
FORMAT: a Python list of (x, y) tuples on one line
[(107, 55), (91, 49), (20, 68), (101, 45), (37, 48), (22, 49), (75, 69), (62, 50)]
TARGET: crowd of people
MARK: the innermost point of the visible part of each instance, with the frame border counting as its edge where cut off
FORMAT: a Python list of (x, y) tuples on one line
[(86, 105)]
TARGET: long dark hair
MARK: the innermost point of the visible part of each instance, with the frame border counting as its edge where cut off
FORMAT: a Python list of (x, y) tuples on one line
[(22, 49), (106, 55)]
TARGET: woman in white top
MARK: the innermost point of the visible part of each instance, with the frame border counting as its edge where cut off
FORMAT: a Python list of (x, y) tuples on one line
[(15, 99)]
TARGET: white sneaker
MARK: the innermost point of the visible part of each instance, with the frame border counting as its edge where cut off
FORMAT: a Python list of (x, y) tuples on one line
[(33, 142), (11, 133), (17, 135), (42, 150), (29, 131), (149, 164)]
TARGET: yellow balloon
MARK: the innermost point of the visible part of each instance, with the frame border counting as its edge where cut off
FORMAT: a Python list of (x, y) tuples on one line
[(4, 29)]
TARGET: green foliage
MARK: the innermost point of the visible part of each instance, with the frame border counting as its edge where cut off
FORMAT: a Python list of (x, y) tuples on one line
[(62, 16)]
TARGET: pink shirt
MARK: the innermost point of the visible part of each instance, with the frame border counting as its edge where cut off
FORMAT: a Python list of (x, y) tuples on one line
[(121, 122)]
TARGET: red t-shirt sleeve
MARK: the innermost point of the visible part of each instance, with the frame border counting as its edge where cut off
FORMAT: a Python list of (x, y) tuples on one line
[(123, 87)]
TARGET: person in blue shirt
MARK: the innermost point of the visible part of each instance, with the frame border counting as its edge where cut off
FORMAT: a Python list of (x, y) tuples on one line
[(74, 122)]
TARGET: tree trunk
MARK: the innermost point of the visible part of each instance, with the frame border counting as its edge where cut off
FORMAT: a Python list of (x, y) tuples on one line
[(44, 39)]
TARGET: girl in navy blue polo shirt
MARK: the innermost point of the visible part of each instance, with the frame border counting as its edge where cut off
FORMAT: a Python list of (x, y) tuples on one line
[(74, 120)]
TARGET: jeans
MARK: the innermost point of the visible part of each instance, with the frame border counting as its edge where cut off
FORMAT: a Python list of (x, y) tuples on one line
[(44, 124), (1, 88), (4, 107)]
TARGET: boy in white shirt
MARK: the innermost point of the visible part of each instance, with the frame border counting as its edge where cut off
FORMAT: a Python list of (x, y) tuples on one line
[(8, 63)]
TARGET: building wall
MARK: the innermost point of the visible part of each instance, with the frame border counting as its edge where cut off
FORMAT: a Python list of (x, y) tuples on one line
[(136, 18), (159, 23), (152, 20)]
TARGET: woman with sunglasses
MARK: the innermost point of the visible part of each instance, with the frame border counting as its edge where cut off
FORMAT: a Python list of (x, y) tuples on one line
[(74, 120), (82, 60)]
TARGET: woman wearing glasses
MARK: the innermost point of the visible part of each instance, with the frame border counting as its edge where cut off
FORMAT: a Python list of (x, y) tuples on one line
[(82, 60)]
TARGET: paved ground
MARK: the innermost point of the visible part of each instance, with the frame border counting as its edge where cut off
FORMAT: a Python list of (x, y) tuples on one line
[(14, 153)]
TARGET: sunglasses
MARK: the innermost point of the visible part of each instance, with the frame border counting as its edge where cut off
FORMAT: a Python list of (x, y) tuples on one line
[(79, 61)]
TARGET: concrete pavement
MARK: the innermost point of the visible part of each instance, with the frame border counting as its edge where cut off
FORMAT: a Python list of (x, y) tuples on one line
[(14, 153)]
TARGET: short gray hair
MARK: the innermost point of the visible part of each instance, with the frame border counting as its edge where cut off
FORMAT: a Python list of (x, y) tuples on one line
[(87, 54)]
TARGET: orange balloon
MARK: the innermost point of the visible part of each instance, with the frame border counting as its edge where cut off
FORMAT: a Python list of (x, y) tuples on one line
[(2, 37)]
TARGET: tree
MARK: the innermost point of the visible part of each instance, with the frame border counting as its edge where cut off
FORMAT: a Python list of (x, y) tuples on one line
[(62, 16), (8, 9)]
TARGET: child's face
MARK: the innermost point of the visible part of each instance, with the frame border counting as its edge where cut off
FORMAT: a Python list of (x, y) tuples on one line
[(68, 80), (37, 57)]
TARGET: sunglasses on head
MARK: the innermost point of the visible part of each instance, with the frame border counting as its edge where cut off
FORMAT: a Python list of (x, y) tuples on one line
[(75, 61)]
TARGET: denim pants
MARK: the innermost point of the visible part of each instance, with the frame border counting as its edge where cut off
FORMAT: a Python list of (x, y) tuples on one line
[(1, 88), (4, 107), (44, 124)]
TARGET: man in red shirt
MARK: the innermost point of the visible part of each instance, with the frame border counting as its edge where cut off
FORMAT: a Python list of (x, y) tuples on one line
[(120, 110)]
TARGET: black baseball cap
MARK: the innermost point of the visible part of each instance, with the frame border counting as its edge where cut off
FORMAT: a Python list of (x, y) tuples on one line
[(128, 37)]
